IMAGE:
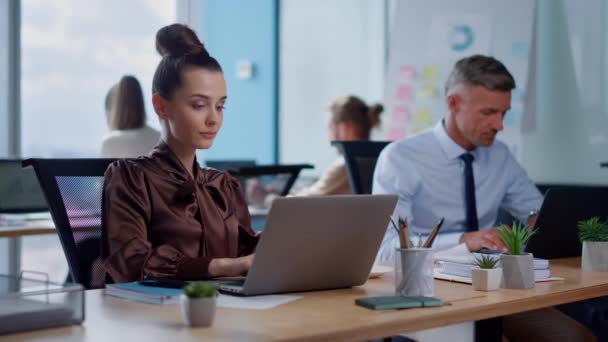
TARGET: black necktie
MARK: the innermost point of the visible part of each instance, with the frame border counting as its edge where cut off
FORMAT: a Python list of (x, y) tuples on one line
[(469, 192)]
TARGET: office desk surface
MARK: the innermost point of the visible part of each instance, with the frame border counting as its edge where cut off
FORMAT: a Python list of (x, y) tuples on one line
[(41, 227), (27, 228), (328, 315)]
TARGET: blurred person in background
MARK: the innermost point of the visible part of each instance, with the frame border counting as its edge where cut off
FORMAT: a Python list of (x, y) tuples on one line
[(129, 136)]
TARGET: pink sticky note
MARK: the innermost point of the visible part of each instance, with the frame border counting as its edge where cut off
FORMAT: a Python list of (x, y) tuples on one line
[(396, 133), (404, 92), (400, 114), (407, 73)]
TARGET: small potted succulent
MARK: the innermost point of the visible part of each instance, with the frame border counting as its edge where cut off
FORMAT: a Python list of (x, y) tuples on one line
[(485, 275), (517, 266), (198, 304), (593, 233)]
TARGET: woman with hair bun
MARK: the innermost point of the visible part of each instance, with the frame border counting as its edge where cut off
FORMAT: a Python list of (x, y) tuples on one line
[(163, 215), (350, 119)]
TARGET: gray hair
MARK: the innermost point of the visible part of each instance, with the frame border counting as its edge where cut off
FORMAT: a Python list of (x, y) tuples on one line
[(479, 70)]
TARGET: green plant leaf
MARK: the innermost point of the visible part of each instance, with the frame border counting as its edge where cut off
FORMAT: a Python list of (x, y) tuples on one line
[(592, 230), (516, 237), (485, 261), (200, 289)]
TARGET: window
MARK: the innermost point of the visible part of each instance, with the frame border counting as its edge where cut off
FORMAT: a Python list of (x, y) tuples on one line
[(72, 53)]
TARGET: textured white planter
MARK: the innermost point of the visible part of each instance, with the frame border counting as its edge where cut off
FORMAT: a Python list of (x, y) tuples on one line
[(595, 256), (198, 312), (486, 279), (517, 271)]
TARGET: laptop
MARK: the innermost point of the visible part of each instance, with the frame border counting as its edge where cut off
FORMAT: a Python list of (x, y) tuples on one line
[(562, 208), (20, 191), (316, 243)]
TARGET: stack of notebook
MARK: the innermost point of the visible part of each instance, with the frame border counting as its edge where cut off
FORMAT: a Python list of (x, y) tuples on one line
[(462, 267), (456, 263)]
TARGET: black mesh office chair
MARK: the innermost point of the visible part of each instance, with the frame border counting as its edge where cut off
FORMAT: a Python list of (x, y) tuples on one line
[(73, 190), (360, 157)]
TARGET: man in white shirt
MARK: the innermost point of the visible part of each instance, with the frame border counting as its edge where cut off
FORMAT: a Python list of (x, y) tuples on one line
[(456, 170), (428, 169)]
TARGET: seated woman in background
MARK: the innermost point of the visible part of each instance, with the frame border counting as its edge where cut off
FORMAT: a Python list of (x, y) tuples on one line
[(129, 136), (163, 215), (349, 119)]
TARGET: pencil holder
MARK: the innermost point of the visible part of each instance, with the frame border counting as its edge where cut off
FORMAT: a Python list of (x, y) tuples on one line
[(414, 272)]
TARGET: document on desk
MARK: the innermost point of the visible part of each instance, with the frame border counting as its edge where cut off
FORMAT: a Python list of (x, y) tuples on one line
[(254, 302)]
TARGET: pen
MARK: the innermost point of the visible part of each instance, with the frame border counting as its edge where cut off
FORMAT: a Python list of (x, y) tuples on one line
[(429, 241), (394, 225)]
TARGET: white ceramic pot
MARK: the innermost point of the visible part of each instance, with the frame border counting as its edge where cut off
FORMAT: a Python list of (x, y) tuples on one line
[(517, 271), (198, 312), (486, 279), (595, 256)]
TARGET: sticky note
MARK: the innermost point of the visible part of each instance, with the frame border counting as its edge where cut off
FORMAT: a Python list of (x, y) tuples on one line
[(407, 73), (400, 114), (430, 73), (404, 92), (396, 133), (426, 92)]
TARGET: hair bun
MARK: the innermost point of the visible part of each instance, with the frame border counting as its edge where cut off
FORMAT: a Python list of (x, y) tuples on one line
[(373, 113), (178, 40)]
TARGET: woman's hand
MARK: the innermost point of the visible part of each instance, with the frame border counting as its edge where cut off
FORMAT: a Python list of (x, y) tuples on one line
[(229, 267)]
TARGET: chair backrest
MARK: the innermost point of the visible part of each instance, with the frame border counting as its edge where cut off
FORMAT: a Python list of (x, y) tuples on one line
[(361, 158), (73, 189)]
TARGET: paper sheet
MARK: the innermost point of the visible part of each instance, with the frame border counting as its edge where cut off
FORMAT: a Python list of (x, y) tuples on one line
[(459, 253), (254, 302)]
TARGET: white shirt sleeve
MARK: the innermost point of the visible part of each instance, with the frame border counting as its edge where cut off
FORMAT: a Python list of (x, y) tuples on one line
[(522, 195)]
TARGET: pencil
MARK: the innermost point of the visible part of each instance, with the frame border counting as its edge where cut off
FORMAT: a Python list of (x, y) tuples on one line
[(429, 241), (404, 227), (402, 237)]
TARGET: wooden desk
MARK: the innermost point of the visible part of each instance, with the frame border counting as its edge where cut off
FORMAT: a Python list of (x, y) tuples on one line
[(326, 315), (41, 227)]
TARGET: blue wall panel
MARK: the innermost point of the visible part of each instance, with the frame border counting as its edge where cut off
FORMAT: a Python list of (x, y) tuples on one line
[(236, 30)]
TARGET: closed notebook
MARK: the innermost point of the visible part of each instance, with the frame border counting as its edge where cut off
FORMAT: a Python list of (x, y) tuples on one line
[(145, 294), (397, 302)]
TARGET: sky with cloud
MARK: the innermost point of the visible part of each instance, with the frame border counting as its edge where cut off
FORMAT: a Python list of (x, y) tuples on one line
[(72, 53)]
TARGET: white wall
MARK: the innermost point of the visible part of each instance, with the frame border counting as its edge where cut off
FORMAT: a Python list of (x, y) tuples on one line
[(327, 49)]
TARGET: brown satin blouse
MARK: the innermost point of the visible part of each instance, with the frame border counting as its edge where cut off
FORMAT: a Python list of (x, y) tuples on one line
[(159, 221)]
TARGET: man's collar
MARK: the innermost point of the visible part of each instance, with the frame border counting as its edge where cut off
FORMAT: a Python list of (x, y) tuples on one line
[(450, 148)]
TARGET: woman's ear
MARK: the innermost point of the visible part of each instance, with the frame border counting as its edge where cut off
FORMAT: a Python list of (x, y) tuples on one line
[(160, 106)]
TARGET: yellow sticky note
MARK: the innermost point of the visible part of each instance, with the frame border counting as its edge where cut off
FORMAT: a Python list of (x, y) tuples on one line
[(426, 92), (430, 73), (423, 117)]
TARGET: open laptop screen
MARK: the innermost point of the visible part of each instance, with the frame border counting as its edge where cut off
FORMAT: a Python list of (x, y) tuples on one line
[(19, 189)]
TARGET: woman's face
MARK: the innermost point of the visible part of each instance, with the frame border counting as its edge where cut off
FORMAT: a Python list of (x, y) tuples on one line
[(344, 130), (194, 114)]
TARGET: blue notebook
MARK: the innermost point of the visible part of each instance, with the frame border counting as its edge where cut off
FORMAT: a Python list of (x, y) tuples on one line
[(145, 294)]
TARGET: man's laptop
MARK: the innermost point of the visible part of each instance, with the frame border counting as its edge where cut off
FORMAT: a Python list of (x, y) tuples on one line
[(562, 208), (316, 243)]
